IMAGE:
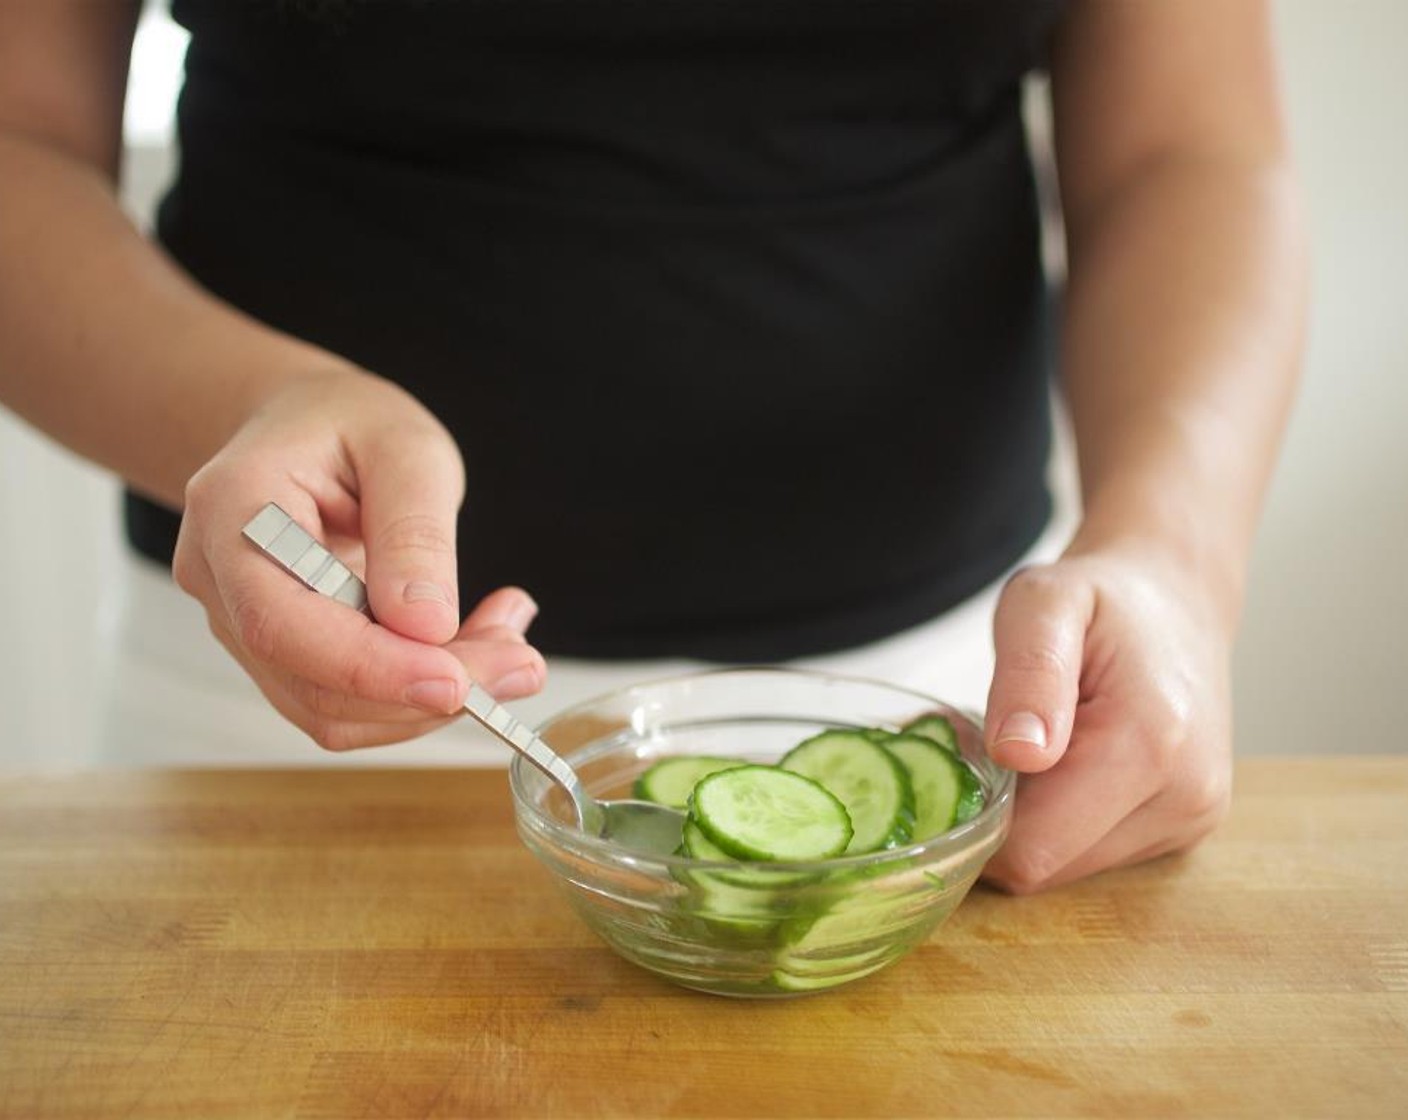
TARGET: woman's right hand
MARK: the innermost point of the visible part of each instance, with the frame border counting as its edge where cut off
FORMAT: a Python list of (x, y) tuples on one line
[(366, 469), (93, 313)]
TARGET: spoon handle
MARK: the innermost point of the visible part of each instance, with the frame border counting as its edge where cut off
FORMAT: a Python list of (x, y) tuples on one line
[(518, 735), (295, 550)]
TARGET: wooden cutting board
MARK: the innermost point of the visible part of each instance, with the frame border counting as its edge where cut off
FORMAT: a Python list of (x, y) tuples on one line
[(374, 943)]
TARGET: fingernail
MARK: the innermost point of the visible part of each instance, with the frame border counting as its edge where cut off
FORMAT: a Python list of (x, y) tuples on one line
[(1022, 727), (424, 591), (443, 696), (522, 613), (518, 682)]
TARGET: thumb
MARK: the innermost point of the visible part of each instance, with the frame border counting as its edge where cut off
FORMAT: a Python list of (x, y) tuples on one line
[(412, 483), (1039, 634)]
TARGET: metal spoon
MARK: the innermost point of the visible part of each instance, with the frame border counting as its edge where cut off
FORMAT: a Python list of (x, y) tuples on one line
[(640, 825)]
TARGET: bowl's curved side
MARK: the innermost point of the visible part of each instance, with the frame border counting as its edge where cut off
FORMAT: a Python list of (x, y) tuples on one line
[(690, 920)]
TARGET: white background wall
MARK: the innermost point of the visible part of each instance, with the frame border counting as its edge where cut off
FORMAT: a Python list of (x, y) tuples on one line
[(1323, 653)]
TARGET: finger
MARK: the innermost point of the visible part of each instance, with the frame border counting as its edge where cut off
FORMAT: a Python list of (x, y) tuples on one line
[(412, 483), (1147, 834), (493, 634), (1122, 848), (1039, 633), (281, 624), (326, 704), (337, 733), (341, 736), (1175, 820), (509, 669), (334, 721), (1063, 813), (508, 608)]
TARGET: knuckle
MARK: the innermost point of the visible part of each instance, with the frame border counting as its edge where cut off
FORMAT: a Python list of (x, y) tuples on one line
[(185, 568), (1034, 631), (1167, 734), (1162, 746), (1040, 660), (1038, 580), (416, 533), (323, 702), (501, 634), (1023, 872), (197, 486), (1018, 881), (327, 733), (1206, 798), (363, 673), (188, 561), (338, 737), (254, 629), (1194, 834)]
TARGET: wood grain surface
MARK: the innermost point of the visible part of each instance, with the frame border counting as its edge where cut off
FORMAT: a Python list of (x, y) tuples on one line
[(374, 943)]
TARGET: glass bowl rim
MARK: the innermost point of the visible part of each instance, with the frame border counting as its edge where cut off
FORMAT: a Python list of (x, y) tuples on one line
[(990, 819)]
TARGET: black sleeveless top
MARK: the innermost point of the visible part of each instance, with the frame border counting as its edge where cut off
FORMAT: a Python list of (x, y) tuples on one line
[(734, 306)]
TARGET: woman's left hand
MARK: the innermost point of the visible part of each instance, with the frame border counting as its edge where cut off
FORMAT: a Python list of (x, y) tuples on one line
[(1111, 696), (1183, 311)]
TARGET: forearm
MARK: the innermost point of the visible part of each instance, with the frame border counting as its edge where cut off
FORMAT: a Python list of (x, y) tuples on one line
[(1183, 330), (106, 345)]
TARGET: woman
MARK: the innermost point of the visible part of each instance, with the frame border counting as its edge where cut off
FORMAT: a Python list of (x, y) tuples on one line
[(721, 327)]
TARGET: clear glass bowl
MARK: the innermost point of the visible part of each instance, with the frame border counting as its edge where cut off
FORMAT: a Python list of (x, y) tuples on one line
[(724, 927)]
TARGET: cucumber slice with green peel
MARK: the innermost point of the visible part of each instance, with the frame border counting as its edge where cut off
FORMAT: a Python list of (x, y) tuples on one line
[(745, 914), (767, 813), (938, 728), (972, 799), (742, 913), (868, 779), (942, 783), (731, 914), (671, 780), (818, 980), (697, 845), (876, 734), (841, 944)]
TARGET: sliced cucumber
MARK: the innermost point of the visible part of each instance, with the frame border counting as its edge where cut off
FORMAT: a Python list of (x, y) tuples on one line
[(940, 730), (942, 783), (868, 779), (767, 813), (697, 845), (808, 978), (821, 950), (741, 911), (736, 914), (671, 780), (937, 728), (972, 800)]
